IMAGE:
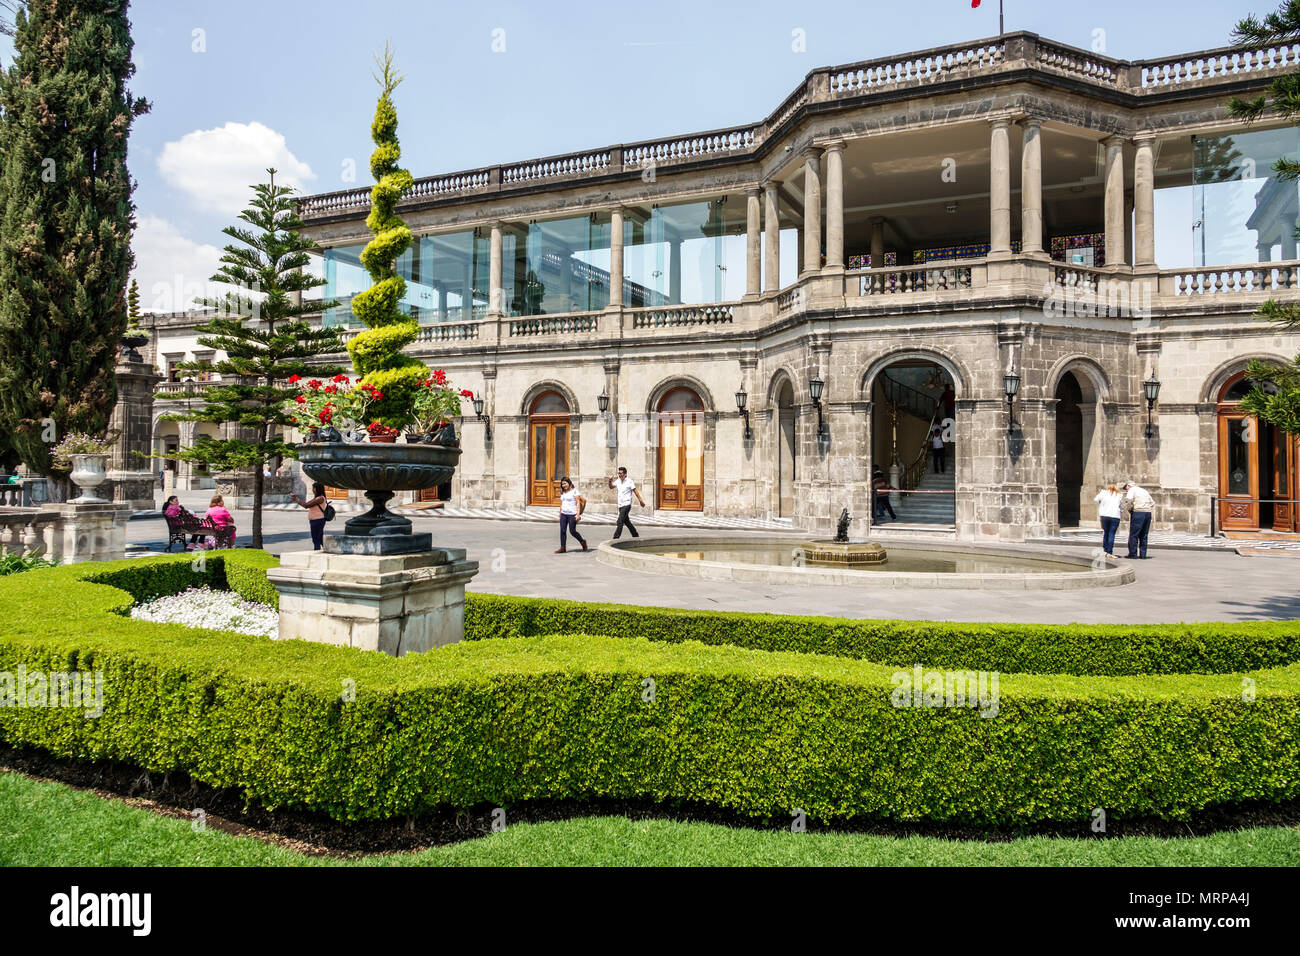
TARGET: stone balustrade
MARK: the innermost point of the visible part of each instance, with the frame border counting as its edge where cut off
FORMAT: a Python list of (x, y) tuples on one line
[(950, 277), (65, 533), (682, 316), (1260, 278), (1014, 52)]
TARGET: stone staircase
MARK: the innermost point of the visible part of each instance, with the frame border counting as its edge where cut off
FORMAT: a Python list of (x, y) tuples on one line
[(931, 509)]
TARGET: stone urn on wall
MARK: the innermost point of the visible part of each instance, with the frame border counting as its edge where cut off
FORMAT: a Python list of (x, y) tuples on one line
[(88, 473)]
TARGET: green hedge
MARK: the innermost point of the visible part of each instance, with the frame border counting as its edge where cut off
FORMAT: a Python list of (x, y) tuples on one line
[(1080, 649), (498, 721)]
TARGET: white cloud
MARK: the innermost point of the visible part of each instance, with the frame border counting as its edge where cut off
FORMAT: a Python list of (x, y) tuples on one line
[(171, 269), (215, 167)]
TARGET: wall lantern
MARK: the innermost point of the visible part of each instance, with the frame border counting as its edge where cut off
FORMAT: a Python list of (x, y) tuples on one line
[(1151, 387), (602, 402), (741, 398), (1011, 385), (815, 391), (484, 418)]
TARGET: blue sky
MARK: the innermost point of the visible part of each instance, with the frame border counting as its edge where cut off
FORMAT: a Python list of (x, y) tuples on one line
[(238, 85)]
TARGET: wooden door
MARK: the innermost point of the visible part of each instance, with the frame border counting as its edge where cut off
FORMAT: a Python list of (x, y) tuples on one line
[(1238, 472), (336, 493), (1284, 513), (548, 459), (681, 461)]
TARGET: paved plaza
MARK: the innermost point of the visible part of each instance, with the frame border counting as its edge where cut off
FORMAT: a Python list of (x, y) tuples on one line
[(516, 557)]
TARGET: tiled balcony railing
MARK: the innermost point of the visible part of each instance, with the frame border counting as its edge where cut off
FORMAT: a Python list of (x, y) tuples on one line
[(1013, 52)]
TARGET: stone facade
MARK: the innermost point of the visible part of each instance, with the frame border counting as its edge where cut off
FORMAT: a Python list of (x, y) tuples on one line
[(1049, 141)]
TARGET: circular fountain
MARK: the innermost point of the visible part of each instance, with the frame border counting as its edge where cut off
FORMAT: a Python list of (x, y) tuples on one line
[(785, 559)]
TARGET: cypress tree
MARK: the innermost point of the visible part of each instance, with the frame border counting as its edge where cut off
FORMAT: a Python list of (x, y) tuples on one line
[(66, 216)]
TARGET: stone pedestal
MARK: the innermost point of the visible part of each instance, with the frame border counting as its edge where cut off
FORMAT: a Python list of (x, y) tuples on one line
[(132, 474), (238, 488), (396, 603), (86, 532)]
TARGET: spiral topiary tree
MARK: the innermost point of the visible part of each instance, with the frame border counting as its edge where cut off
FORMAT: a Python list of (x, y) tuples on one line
[(377, 354)]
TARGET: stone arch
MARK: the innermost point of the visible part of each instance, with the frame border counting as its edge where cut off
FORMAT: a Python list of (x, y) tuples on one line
[(666, 385), (1215, 381), (1094, 382), (548, 385), (777, 380), (956, 369)]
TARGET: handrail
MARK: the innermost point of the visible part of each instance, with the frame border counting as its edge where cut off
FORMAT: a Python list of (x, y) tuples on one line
[(1215, 499), (912, 473)]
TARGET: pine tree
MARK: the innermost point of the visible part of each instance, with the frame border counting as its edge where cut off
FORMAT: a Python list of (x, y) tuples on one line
[(264, 338), (66, 216), (1276, 396)]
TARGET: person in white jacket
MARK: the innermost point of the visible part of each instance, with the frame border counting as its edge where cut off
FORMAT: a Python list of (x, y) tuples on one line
[(1109, 500), (1139, 504)]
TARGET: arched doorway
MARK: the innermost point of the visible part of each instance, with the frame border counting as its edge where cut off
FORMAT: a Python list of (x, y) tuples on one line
[(548, 447), (1257, 465), (785, 449), (912, 400), (681, 451), (1069, 451)]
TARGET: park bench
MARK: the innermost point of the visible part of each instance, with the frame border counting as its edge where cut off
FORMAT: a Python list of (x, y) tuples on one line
[(187, 523)]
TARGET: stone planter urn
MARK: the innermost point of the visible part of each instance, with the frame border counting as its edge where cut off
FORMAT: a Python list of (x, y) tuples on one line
[(377, 586), (379, 469), (88, 473)]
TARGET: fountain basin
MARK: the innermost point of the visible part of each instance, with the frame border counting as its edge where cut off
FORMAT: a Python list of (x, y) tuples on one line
[(849, 554), (771, 559)]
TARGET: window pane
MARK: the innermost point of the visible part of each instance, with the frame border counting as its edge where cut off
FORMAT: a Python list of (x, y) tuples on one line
[(539, 453), (691, 253), (694, 453), (1242, 211), (681, 399), (550, 403), (557, 266), (561, 451), (1238, 457), (671, 441)]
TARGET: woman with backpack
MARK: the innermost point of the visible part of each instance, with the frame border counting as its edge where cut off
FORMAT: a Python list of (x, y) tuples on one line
[(318, 512)]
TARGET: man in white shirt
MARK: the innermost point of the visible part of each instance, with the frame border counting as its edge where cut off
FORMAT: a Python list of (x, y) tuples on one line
[(626, 488), (1139, 504)]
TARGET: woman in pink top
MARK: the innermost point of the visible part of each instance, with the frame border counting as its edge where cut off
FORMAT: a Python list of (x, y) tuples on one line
[(220, 516), (315, 506)]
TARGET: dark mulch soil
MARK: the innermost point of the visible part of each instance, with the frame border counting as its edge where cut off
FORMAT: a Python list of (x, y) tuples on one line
[(177, 795)]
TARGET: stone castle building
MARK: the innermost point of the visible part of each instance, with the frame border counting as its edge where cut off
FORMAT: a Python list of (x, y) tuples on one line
[(1052, 257)]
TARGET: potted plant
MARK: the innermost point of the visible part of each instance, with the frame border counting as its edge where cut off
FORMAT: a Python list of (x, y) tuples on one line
[(379, 432), (86, 459), (390, 380), (436, 403)]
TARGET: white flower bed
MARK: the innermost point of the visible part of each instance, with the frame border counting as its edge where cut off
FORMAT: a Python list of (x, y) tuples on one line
[(215, 610)]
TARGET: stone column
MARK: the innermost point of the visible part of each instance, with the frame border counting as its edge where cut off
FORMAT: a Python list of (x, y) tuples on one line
[(189, 433), (131, 477), (1000, 189), (772, 225), (496, 295), (835, 205), (1116, 255), (812, 210), (753, 245), (877, 242), (1144, 204), (616, 258), (1031, 189)]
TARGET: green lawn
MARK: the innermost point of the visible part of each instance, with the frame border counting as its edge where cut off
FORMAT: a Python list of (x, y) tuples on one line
[(49, 824)]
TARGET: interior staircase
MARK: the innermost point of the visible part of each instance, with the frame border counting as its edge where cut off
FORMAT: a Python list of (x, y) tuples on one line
[(928, 508)]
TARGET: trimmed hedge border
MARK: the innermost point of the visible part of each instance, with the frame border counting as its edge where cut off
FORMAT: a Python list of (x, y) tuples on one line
[(497, 721)]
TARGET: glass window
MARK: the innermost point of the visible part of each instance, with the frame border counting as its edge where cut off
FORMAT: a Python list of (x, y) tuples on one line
[(550, 403), (681, 400), (689, 253), (446, 278), (1238, 457), (1242, 212), (557, 266)]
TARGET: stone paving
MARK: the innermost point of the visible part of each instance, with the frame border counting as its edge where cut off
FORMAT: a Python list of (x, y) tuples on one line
[(515, 557), (1185, 540)]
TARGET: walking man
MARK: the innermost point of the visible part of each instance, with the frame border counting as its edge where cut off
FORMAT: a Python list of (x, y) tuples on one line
[(626, 488), (1139, 504)]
